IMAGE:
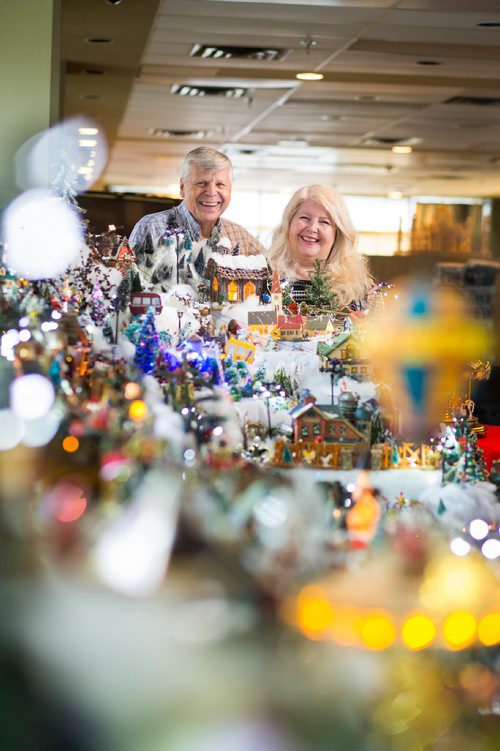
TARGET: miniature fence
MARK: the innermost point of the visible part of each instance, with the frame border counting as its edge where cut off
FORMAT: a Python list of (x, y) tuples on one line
[(345, 456)]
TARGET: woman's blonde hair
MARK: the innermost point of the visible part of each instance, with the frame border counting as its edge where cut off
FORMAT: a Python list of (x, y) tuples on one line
[(346, 268)]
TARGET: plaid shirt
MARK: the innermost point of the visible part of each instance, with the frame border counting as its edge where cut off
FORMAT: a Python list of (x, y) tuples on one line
[(157, 223)]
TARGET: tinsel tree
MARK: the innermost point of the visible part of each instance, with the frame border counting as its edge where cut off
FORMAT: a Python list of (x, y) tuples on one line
[(319, 293), (474, 468), (98, 312), (147, 344)]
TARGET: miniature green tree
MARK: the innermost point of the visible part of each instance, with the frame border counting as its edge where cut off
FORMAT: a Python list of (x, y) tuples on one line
[(319, 293)]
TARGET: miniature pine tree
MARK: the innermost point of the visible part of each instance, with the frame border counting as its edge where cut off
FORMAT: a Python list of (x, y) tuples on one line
[(199, 264), (148, 246), (319, 293), (123, 293), (147, 344)]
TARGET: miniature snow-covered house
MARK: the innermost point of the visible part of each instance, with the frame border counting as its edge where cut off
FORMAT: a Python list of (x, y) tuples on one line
[(236, 278), (347, 348)]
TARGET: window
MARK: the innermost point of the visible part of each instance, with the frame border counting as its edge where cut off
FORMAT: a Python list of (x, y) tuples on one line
[(331, 429), (354, 370), (215, 285), (364, 370), (342, 429), (232, 292), (304, 431), (248, 290), (316, 428)]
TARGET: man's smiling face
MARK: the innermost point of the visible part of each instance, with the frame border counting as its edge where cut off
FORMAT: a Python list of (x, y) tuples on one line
[(207, 196)]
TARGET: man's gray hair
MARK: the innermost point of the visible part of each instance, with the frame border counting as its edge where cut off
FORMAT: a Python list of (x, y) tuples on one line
[(207, 159)]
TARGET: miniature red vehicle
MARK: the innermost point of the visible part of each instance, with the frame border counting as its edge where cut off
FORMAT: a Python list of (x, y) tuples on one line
[(141, 301)]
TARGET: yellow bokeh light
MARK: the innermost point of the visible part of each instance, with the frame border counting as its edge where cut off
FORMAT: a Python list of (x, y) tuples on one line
[(418, 632), (71, 444), (377, 630), (314, 612), (459, 630), (488, 629), (345, 627), (137, 410)]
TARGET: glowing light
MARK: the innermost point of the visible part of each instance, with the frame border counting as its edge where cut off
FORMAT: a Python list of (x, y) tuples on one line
[(453, 583), (8, 341), (11, 429), (138, 410), (491, 549), (345, 627), (478, 529), (132, 390), (133, 553), (51, 159), (309, 76), (459, 629), (24, 335), (402, 149), (31, 396), (418, 632), (190, 457), (40, 432), (460, 547), (377, 630), (43, 235), (314, 612), (70, 444), (67, 502), (488, 629)]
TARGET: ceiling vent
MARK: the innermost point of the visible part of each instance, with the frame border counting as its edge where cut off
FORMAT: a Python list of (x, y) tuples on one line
[(388, 141), (481, 101), (168, 133), (223, 52), (229, 92)]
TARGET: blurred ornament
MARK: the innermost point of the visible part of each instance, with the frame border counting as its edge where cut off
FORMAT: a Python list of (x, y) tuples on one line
[(363, 518), (421, 344)]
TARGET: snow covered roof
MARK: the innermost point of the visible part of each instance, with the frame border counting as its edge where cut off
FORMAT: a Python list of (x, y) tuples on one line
[(237, 267)]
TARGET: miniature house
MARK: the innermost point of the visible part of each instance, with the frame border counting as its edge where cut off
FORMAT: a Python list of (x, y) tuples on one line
[(346, 348), (311, 423), (236, 278)]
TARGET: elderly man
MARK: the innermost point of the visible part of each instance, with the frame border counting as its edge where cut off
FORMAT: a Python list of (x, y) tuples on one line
[(205, 186)]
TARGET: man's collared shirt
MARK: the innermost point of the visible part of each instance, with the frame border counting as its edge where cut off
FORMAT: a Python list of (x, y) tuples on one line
[(179, 216)]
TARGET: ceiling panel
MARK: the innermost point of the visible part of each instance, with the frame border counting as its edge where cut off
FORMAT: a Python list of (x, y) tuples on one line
[(285, 133)]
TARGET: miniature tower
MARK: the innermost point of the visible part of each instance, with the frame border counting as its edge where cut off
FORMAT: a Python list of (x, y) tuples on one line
[(276, 294)]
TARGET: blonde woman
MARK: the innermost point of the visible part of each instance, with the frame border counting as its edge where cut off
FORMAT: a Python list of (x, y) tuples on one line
[(316, 227)]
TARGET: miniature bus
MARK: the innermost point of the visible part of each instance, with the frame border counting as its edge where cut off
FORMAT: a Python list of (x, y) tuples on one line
[(141, 301)]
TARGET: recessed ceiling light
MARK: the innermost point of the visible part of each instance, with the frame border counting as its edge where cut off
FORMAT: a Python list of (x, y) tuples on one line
[(402, 149), (489, 24), (428, 62), (309, 76), (98, 40), (394, 194)]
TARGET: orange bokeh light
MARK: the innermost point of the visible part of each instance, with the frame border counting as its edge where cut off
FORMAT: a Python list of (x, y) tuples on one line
[(71, 444)]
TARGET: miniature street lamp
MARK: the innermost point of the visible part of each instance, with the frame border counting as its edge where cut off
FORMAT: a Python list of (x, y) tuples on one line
[(335, 368)]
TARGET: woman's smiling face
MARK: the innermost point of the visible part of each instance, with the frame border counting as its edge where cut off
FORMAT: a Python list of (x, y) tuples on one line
[(311, 234)]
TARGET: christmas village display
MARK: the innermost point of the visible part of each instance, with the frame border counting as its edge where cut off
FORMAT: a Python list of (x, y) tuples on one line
[(178, 395)]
